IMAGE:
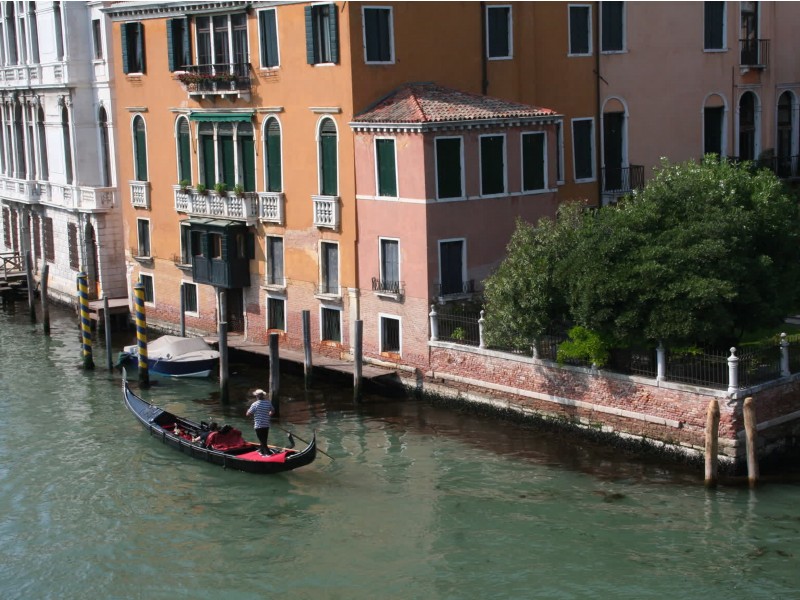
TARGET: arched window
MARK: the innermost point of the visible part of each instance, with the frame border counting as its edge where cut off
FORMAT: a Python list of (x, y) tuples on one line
[(19, 142), (43, 166), (139, 149), (65, 133), (272, 155), (59, 33), (747, 126), (184, 150), (328, 159), (205, 135), (786, 135), (105, 152)]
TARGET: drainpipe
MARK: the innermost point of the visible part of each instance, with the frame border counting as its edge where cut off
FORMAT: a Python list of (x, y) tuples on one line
[(484, 74)]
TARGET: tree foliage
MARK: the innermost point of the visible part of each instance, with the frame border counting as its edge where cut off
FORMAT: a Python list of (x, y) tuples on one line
[(703, 253)]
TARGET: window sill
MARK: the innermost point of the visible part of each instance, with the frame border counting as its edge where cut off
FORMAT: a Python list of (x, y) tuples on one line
[(590, 180), (378, 63), (390, 296), (500, 57), (332, 298), (715, 50), (324, 64), (144, 260), (579, 55), (185, 267), (623, 51), (274, 288), (392, 356)]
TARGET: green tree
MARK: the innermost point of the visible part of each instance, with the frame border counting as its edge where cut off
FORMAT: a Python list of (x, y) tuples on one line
[(703, 253)]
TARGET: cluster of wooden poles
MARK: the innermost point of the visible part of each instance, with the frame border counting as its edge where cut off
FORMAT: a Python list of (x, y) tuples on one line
[(712, 441)]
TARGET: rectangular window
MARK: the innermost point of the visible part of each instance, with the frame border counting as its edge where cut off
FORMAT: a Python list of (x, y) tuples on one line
[(583, 149), (179, 54), (149, 289), (580, 30), (493, 165), (276, 313), (533, 162), (72, 241), (560, 152), (713, 122), (189, 297), (714, 26), (215, 245), (322, 34), (143, 229), (132, 47), (186, 244), (498, 32), (329, 268), (390, 265), (268, 34), (612, 35), (449, 177), (452, 264), (378, 34), (49, 245), (275, 261), (390, 334), (7, 227), (97, 39), (196, 246), (330, 324), (386, 167)]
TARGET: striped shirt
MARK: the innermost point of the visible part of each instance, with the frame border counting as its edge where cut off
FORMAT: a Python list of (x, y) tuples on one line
[(262, 410)]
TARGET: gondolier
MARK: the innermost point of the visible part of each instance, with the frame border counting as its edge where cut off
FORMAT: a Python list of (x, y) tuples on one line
[(262, 411)]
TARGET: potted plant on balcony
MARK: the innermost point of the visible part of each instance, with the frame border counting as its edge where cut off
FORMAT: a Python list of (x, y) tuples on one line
[(185, 184), (221, 188), (201, 189), (238, 189)]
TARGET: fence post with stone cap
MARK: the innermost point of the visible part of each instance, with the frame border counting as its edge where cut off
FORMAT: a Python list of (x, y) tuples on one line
[(434, 324), (481, 323), (784, 356), (733, 372), (661, 362)]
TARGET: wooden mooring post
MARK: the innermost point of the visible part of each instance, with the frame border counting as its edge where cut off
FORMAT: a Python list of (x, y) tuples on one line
[(358, 357), (141, 333), (223, 345), (183, 309), (712, 443), (43, 292), (86, 322), (30, 284), (308, 367), (275, 373), (751, 439)]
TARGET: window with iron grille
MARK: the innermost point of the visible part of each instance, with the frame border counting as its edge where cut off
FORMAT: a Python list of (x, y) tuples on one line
[(276, 313), (189, 297), (49, 245), (143, 230), (331, 324), (390, 334), (72, 242), (390, 265), (147, 282)]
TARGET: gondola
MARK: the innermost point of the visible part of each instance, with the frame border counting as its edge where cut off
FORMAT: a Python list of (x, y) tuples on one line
[(177, 433)]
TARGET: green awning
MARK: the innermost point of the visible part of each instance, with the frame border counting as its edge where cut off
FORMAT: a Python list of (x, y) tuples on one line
[(218, 223), (204, 116)]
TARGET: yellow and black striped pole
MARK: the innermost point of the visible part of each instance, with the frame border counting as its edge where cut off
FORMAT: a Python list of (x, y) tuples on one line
[(86, 323), (141, 333)]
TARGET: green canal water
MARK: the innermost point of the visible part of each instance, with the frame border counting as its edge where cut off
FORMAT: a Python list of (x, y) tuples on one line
[(420, 501)]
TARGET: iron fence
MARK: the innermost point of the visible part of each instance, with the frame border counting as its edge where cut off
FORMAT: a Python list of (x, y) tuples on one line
[(758, 364), (459, 325)]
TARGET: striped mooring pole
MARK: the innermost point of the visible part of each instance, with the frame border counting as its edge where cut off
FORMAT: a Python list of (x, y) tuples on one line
[(86, 323), (141, 333)]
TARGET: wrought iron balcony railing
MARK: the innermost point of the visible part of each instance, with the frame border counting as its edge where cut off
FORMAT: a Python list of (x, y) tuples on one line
[(455, 288), (621, 180), (216, 79), (754, 53), (387, 286)]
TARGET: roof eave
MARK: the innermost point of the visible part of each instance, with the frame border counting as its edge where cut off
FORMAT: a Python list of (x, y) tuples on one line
[(422, 127)]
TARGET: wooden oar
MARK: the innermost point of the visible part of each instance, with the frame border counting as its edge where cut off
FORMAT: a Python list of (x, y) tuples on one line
[(302, 440)]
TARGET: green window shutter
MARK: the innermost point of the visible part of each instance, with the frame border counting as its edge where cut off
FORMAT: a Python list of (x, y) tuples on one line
[(269, 38), (251, 245), (448, 168), (330, 184), (492, 167), (533, 161), (333, 31), (186, 244), (228, 166), (248, 163), (170, 45), (274, 183), (140, 46), (387, 169), (123, 32), (185, 152), (209, 177), (309, 35)]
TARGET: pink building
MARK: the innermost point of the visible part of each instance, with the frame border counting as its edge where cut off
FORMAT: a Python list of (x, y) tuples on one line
[(441, 177)]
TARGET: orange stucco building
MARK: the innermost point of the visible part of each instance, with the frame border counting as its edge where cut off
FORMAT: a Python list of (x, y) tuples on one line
[(243, 166)]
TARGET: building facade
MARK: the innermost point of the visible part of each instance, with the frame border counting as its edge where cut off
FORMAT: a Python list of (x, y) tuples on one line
[(57, 164)]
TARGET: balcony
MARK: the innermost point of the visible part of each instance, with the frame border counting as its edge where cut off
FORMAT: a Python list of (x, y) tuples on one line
[(19, 190), (140, 194), (84, 198), (219, 79), (239, 207), (754, 54), (326, 211), (392, 289), (270, 207), (620, 181), (455, 289), (785, 167)]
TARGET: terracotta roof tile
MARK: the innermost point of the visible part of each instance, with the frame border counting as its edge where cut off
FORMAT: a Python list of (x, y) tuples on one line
[(432, 103)]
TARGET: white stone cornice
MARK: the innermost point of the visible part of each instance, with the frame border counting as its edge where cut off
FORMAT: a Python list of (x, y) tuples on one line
[(453, 125), (325, 110)]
